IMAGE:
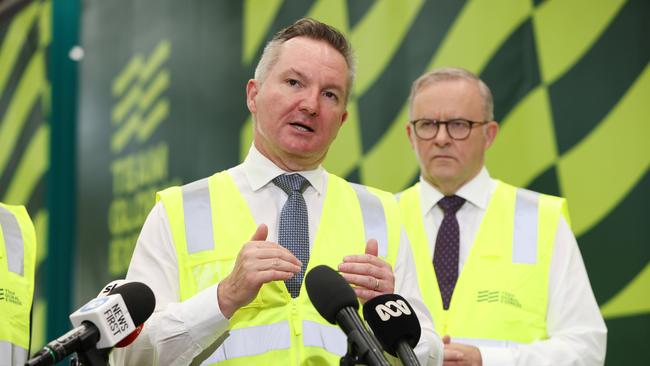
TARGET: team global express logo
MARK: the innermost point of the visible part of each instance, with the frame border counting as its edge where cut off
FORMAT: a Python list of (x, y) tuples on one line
[(497, 296), (9, 296)]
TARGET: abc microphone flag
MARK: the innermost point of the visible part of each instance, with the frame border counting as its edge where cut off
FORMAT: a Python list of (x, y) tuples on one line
[(395, 324)]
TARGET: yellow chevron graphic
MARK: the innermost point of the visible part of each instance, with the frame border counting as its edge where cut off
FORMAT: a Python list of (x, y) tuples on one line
[(14, 40), (481, 28), (375, 42), (31, 168), (620, 144), (27, 93), (565, 30), (128, 74), (527, 130), (133, 112), (632, 300), (258, 16), (126, 104)]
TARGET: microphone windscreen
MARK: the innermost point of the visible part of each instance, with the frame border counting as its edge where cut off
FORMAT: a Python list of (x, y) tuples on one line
[(392, 319), (139, 300), (329, 292)]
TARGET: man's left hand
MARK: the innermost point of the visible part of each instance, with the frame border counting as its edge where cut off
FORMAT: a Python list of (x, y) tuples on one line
[(370, 275), (457, 354)]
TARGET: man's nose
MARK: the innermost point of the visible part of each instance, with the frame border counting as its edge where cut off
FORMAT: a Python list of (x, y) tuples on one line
[(309, 104), (442, 138)]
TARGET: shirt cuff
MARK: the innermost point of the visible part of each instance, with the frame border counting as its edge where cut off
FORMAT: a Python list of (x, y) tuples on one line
[(203, 318), (496, 356)]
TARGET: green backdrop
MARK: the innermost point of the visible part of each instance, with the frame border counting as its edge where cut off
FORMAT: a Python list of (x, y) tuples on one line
[(161, 102)]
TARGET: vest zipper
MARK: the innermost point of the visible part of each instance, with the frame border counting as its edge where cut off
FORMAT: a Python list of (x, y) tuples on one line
[(296, 329)]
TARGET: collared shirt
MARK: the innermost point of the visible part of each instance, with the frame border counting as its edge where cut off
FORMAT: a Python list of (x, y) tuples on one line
[(575, 326), (178, 332)]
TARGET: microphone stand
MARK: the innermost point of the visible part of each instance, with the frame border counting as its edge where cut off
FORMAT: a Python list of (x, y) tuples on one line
[(91, 357), (406, 354), (351, 358), (363, 348)]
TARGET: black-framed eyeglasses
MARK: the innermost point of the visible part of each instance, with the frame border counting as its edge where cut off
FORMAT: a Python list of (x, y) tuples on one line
[(457, 129)]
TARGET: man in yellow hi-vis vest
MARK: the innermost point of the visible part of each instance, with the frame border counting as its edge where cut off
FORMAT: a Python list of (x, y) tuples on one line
[(498, 266), (17, 262), (226, 292)]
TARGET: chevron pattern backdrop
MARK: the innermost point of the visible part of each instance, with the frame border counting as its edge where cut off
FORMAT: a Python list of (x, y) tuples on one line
[(162, 102), (24, 128)]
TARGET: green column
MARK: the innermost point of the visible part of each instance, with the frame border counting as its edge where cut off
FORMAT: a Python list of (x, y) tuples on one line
[(61, 181)]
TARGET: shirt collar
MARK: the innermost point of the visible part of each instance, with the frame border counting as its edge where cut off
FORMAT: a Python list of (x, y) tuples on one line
[(477, 191), (260, 171)]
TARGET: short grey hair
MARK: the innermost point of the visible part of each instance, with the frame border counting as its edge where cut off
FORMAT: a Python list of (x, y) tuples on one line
[(313, 29), (454, 73)]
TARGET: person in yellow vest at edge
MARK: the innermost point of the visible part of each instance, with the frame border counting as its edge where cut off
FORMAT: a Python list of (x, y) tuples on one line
[(17, 266), (498, 266), (227, 292)]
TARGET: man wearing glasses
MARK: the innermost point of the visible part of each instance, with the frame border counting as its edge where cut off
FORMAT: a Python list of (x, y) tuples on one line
[(498, 266)]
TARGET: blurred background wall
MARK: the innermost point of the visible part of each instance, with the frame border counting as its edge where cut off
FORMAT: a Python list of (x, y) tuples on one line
[(102, 103)]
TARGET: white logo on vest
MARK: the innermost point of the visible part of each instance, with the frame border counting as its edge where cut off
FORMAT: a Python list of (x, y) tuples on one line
[(392, 308)]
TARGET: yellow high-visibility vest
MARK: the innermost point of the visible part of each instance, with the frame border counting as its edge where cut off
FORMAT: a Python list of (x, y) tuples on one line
[(502, 291), (17, 266), (210, 221)]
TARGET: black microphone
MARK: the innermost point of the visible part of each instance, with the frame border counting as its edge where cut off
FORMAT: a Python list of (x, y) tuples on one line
[(108, 290), (101, 323), (335, 300), (395, 324)]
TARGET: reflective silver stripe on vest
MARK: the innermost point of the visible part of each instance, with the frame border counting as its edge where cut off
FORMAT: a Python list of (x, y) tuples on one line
[(374, 220), (478, 342), (524, 239), (330, 338), (14, 245), (10, 354), (198, 216), (252, 341)]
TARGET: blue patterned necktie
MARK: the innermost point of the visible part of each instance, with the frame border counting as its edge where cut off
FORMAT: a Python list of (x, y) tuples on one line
[(294, 226), (445, 257)]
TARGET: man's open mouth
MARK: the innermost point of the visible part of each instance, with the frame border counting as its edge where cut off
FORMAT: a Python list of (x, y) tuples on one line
[(302, 127)]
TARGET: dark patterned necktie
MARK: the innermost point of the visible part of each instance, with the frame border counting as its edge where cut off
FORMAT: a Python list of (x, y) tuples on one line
[(445, 257), (294, 226)]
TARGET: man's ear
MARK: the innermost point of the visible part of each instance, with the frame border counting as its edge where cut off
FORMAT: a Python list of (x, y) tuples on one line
[(491, 130), (409, 134), (344, 118), (252, 88)]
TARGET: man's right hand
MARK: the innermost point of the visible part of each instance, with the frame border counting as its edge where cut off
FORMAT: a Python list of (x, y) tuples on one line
[(456, 354), (258, 262)]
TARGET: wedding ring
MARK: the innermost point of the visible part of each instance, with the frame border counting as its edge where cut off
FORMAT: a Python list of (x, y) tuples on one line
[(376, 284)]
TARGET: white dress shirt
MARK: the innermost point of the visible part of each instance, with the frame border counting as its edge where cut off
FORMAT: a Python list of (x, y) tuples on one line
[(575, 326), (179, 331)]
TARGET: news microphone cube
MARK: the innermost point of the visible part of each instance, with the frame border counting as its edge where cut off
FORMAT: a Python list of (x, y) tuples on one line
[(110, 315)]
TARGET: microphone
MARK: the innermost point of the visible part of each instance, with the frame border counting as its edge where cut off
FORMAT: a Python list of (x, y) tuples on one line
[(395, 324), (335, 300), (101, 323), (108, 290)]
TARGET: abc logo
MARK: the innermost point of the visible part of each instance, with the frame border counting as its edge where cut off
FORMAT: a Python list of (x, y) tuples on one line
[(392, 308)]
